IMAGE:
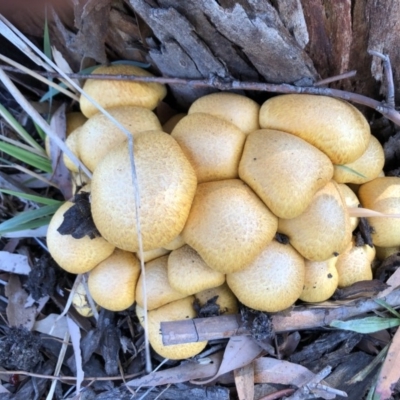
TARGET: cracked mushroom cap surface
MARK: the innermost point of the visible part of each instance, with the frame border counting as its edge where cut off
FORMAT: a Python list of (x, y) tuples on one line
[(167, 185)]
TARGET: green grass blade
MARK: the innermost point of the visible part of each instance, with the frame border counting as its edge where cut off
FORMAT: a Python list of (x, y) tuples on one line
[(40, 131), (351, 170), (16, 223), (46, 39), (366, 325), (19, 129), (26, 157), (383, 303), (36, 223), (37, 199), (130, 62)]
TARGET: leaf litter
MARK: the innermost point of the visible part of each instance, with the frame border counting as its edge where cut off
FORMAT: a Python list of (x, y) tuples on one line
[(243, 363)]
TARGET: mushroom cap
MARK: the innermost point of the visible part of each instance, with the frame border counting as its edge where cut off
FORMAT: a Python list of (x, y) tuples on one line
[(354, 264), (76, 256), (212, 145), (80, 301), (112, 93), (188, 273), (228, 225), (226, 300), (284, 170), (273, 281), (112, 283), (171, 123), (382, 253), (321, 280), (323, 229), (167, 184), (334, 126), (159, 291), (383, 195), (351, 201), (175, 243), (153, 254), (365, 168), (231, 107), (73, 144), (99, 135), (175, 311)]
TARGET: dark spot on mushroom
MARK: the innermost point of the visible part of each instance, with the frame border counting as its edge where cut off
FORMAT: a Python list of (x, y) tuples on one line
[(329, 276)]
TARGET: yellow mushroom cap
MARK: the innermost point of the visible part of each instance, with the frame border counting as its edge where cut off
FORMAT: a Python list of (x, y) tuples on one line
[(334, 126), (234, 108), (228, 225), (351, 201), (284, 170), (320, 281), (153, 254), (382, 253), (80, 302), (112, 93), (323, 229), (212, 145), (167, 185), (354, 264), (112, 283), (76, 256), (171, 123), (226, 300), (383, 195), (73, 144), (175, 311), (273, 281), (159, 291), (365, 168), (99, 135), (175, 243), (188, 273)]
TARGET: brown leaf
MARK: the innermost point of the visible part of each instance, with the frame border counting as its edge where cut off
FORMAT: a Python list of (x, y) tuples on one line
[(17, 314), (244, 381), (240, 351), (390, 372), (271, 370), (185, 372)]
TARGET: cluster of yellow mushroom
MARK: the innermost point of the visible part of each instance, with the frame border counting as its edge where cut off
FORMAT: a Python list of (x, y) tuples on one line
[(214, 191)]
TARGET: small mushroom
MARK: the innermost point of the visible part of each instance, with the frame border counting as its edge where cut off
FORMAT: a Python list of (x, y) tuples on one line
[(284, 170), (323, 229), (212, 145), (334, 126), (175, 311), (231, 107), (188, 273), (321, 280), (112, 283), (225, 299), (112, 93), (228, 225), (273, 281), (76, 256), (158, 289), (383, 195), (167, 185)]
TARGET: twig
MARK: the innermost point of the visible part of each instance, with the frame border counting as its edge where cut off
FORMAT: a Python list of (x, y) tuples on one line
[(387, 68), (336, 78), (278, 395), (201, 329), (218, 83)]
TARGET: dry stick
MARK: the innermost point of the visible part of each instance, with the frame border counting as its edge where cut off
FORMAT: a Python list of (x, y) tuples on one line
[(387, 67), (218, 83), (126, 132), (201, 329), (336, 78)]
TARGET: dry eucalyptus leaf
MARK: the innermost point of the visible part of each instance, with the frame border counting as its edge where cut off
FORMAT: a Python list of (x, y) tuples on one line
[(14, 263), (244, 381), (52, 326), (17, 314)]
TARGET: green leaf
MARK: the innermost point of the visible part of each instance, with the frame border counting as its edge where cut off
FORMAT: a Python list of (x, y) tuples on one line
[(36, 223), (383, 303), (27, 157), (19, 129), (19, 222), (351, 170), (130, 62), (40, 131), (366, 325), (37, 199)]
